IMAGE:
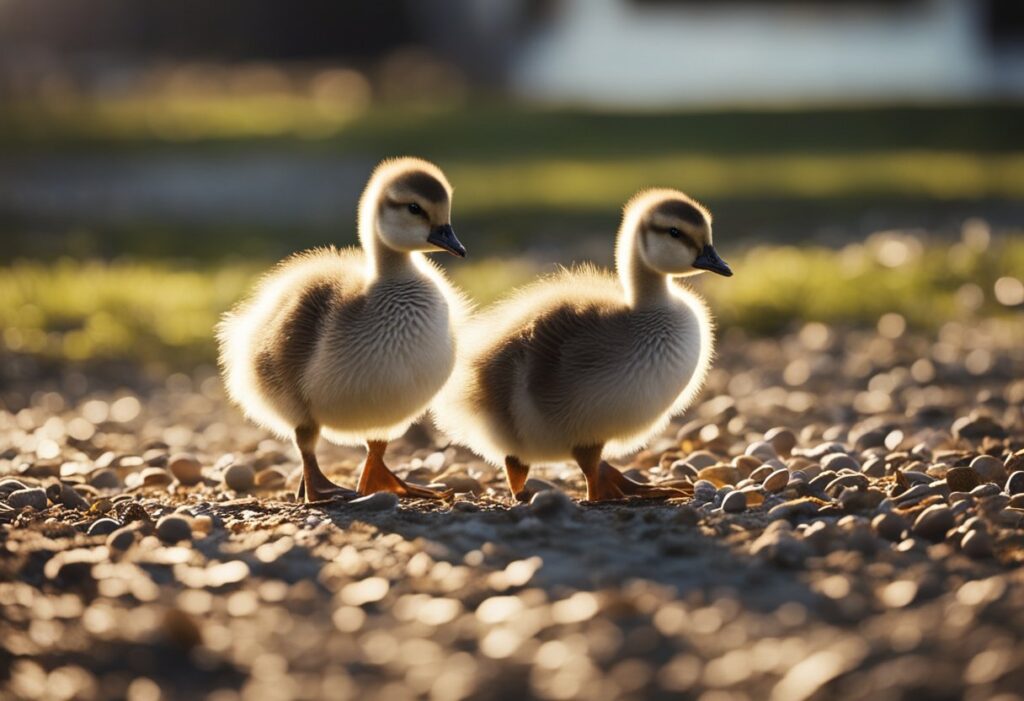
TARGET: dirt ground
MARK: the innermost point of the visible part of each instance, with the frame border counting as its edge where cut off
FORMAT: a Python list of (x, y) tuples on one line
[(851, 526)]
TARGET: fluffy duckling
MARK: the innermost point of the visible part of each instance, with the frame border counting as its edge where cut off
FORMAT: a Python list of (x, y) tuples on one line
[(353, 343), (583, 365)]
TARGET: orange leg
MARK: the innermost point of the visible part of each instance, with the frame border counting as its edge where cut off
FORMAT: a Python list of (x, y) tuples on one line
[(516, 473), (605, 483), (314, 485), (376, 477)]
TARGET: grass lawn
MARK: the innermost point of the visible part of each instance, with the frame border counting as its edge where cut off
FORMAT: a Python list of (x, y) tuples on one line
[(166, 312)]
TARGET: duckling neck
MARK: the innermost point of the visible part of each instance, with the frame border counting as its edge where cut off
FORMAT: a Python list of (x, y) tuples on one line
[(643, 287), (385, 262)]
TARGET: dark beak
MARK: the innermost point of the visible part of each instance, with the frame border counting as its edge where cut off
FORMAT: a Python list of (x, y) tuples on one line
[(444, 238), (708, 259)]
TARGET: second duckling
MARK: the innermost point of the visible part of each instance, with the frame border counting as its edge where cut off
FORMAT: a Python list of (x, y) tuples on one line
[(584, 365)]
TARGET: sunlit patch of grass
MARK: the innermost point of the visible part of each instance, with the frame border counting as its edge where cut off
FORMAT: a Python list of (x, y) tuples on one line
[(78, 311), (161, 311), (594, 183), (927, 285), (176, 119)]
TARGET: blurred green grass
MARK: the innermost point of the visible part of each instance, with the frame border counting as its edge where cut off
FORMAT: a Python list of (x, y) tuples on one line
[(482, 130), (161, 311)]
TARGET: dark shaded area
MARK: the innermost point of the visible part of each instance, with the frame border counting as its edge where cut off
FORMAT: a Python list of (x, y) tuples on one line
[(229, 30)]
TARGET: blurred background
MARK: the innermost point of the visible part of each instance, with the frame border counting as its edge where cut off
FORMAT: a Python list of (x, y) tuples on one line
[(862, 158)]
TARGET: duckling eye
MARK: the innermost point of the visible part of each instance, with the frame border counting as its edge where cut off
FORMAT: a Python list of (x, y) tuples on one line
[(674, 232), (415, 209)]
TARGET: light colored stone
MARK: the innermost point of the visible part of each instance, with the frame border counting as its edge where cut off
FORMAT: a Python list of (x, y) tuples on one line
[(186, 469), (777, 481)]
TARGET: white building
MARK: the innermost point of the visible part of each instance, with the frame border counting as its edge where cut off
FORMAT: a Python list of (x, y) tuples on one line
[(660, 53)]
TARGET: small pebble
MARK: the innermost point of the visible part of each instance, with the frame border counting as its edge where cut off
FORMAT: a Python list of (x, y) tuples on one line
[(104, 478), (890, 526), (794, 509), (777, 481), (989, 469), (121, 539), (103, 526), (762, 449), (720, 475), (839, 461), (462, 484), (782, 439), (734, 502), (240, 477), (962, 479), (818, 484), (271, 478), (156, 477), (535, 484), (34, 497), (985, 490), (70, 498), (682, 469), (186, 469), (1015, 483), (11, 485), (874, 467), (1015, 463), (552, 503), (977, 544), (701, 459), (847, 481), (976, 428), (378, 501), (704, 491), (747, 464), (173, 528), (934, 522)]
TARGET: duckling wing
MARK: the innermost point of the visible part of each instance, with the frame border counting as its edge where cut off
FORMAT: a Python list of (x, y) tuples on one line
[(522, 351), (267, 341)]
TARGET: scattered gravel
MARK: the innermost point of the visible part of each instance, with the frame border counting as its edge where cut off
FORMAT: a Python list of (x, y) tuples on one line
[(855, 530)]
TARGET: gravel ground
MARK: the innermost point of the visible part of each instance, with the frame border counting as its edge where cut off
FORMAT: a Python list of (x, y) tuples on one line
[(855, 530)]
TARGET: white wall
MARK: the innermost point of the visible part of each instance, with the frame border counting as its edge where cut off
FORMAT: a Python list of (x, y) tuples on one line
[(612, 52)]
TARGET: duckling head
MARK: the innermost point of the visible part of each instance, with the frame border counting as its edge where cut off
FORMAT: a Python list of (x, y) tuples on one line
[(407, 207), (672, 234)]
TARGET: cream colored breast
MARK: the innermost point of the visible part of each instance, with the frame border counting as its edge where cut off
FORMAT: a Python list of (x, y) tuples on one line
[(382, 359)]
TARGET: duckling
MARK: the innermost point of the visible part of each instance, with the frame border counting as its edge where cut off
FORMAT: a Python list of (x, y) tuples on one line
[(353, 343), (584, 365)]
